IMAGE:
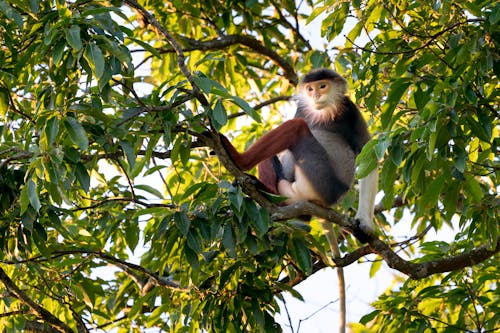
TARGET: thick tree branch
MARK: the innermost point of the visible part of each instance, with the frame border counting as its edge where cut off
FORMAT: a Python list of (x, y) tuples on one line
[(39, 311), (375, 245), (442, 265), (248, 41), (153, 277)]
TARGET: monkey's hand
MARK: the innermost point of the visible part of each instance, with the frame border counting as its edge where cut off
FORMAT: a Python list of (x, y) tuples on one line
[(278, 168)]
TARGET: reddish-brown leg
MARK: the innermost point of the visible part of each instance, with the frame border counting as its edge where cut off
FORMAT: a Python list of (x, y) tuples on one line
[(275, 141), (267, 175)]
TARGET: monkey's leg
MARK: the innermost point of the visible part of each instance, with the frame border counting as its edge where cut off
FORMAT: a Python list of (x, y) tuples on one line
[(368, 187), (334, 247), (270, 144), (267, 175)]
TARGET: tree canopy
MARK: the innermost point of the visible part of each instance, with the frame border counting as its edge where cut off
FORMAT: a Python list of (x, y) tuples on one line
[(118, 208)]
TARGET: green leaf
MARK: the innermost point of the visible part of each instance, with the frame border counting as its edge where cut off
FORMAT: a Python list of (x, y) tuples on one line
[(132, 233), (73, 38), (24, 199), (40, 238), (396, 91), (205, 84), (354, 33), (258, 314), (246, 107), (192, 258), (301, 254), (421, 98), (220, 114), (185, 152), (474, 189), (76, 132), (381, 147), (150, 190), (28, 218), (433, 191), (32, 190), (369, 317), (367, 160), (4, 101), (95, 58), (146, 46), (494, 16), (129, 151), (236, 199), (259, 218), (375, 267), (83, 176), (194, 240), (51, 129), (82, 294), (182, 222), (226, 274), (228, 241), (11, 14), (388, 176)]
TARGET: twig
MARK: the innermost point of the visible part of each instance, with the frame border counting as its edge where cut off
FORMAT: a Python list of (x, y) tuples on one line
[(314, 313), (38, 310), (181, 60), (248, 41)]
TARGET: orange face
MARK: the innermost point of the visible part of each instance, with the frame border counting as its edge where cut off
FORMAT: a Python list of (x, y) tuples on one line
[(318, 91)]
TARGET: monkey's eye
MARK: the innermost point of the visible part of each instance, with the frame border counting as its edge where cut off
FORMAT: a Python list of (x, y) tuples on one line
[(322, 86), (309, 88)]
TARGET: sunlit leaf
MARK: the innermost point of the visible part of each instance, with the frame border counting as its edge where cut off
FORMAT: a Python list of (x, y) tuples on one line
[(367, 159), (4, 101)]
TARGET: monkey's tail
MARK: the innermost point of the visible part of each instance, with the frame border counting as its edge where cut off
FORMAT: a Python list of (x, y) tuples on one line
[(334, 247)]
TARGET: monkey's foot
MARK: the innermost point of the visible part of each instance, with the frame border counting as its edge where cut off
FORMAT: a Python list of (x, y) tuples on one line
[(361, 231)]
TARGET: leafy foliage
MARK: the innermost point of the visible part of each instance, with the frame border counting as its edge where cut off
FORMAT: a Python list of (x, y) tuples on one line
[(104, 108)]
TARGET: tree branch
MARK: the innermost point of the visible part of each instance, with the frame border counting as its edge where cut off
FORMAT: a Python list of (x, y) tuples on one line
[(295, 29), (442, 265), (414, 270), (248, 41), (181, 60), (41, 312)]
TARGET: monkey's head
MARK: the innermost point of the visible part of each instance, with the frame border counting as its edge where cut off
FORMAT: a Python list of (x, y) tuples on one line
[(323, 91)]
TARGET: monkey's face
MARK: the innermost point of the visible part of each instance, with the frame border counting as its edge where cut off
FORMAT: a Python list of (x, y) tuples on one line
[(324, 93), (317, 92)]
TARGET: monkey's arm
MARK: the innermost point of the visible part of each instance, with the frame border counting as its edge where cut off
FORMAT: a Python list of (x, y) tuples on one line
[(368, 188), (275, 141)]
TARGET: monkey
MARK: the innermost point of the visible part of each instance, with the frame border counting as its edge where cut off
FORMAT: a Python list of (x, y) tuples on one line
[(312, 156)]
